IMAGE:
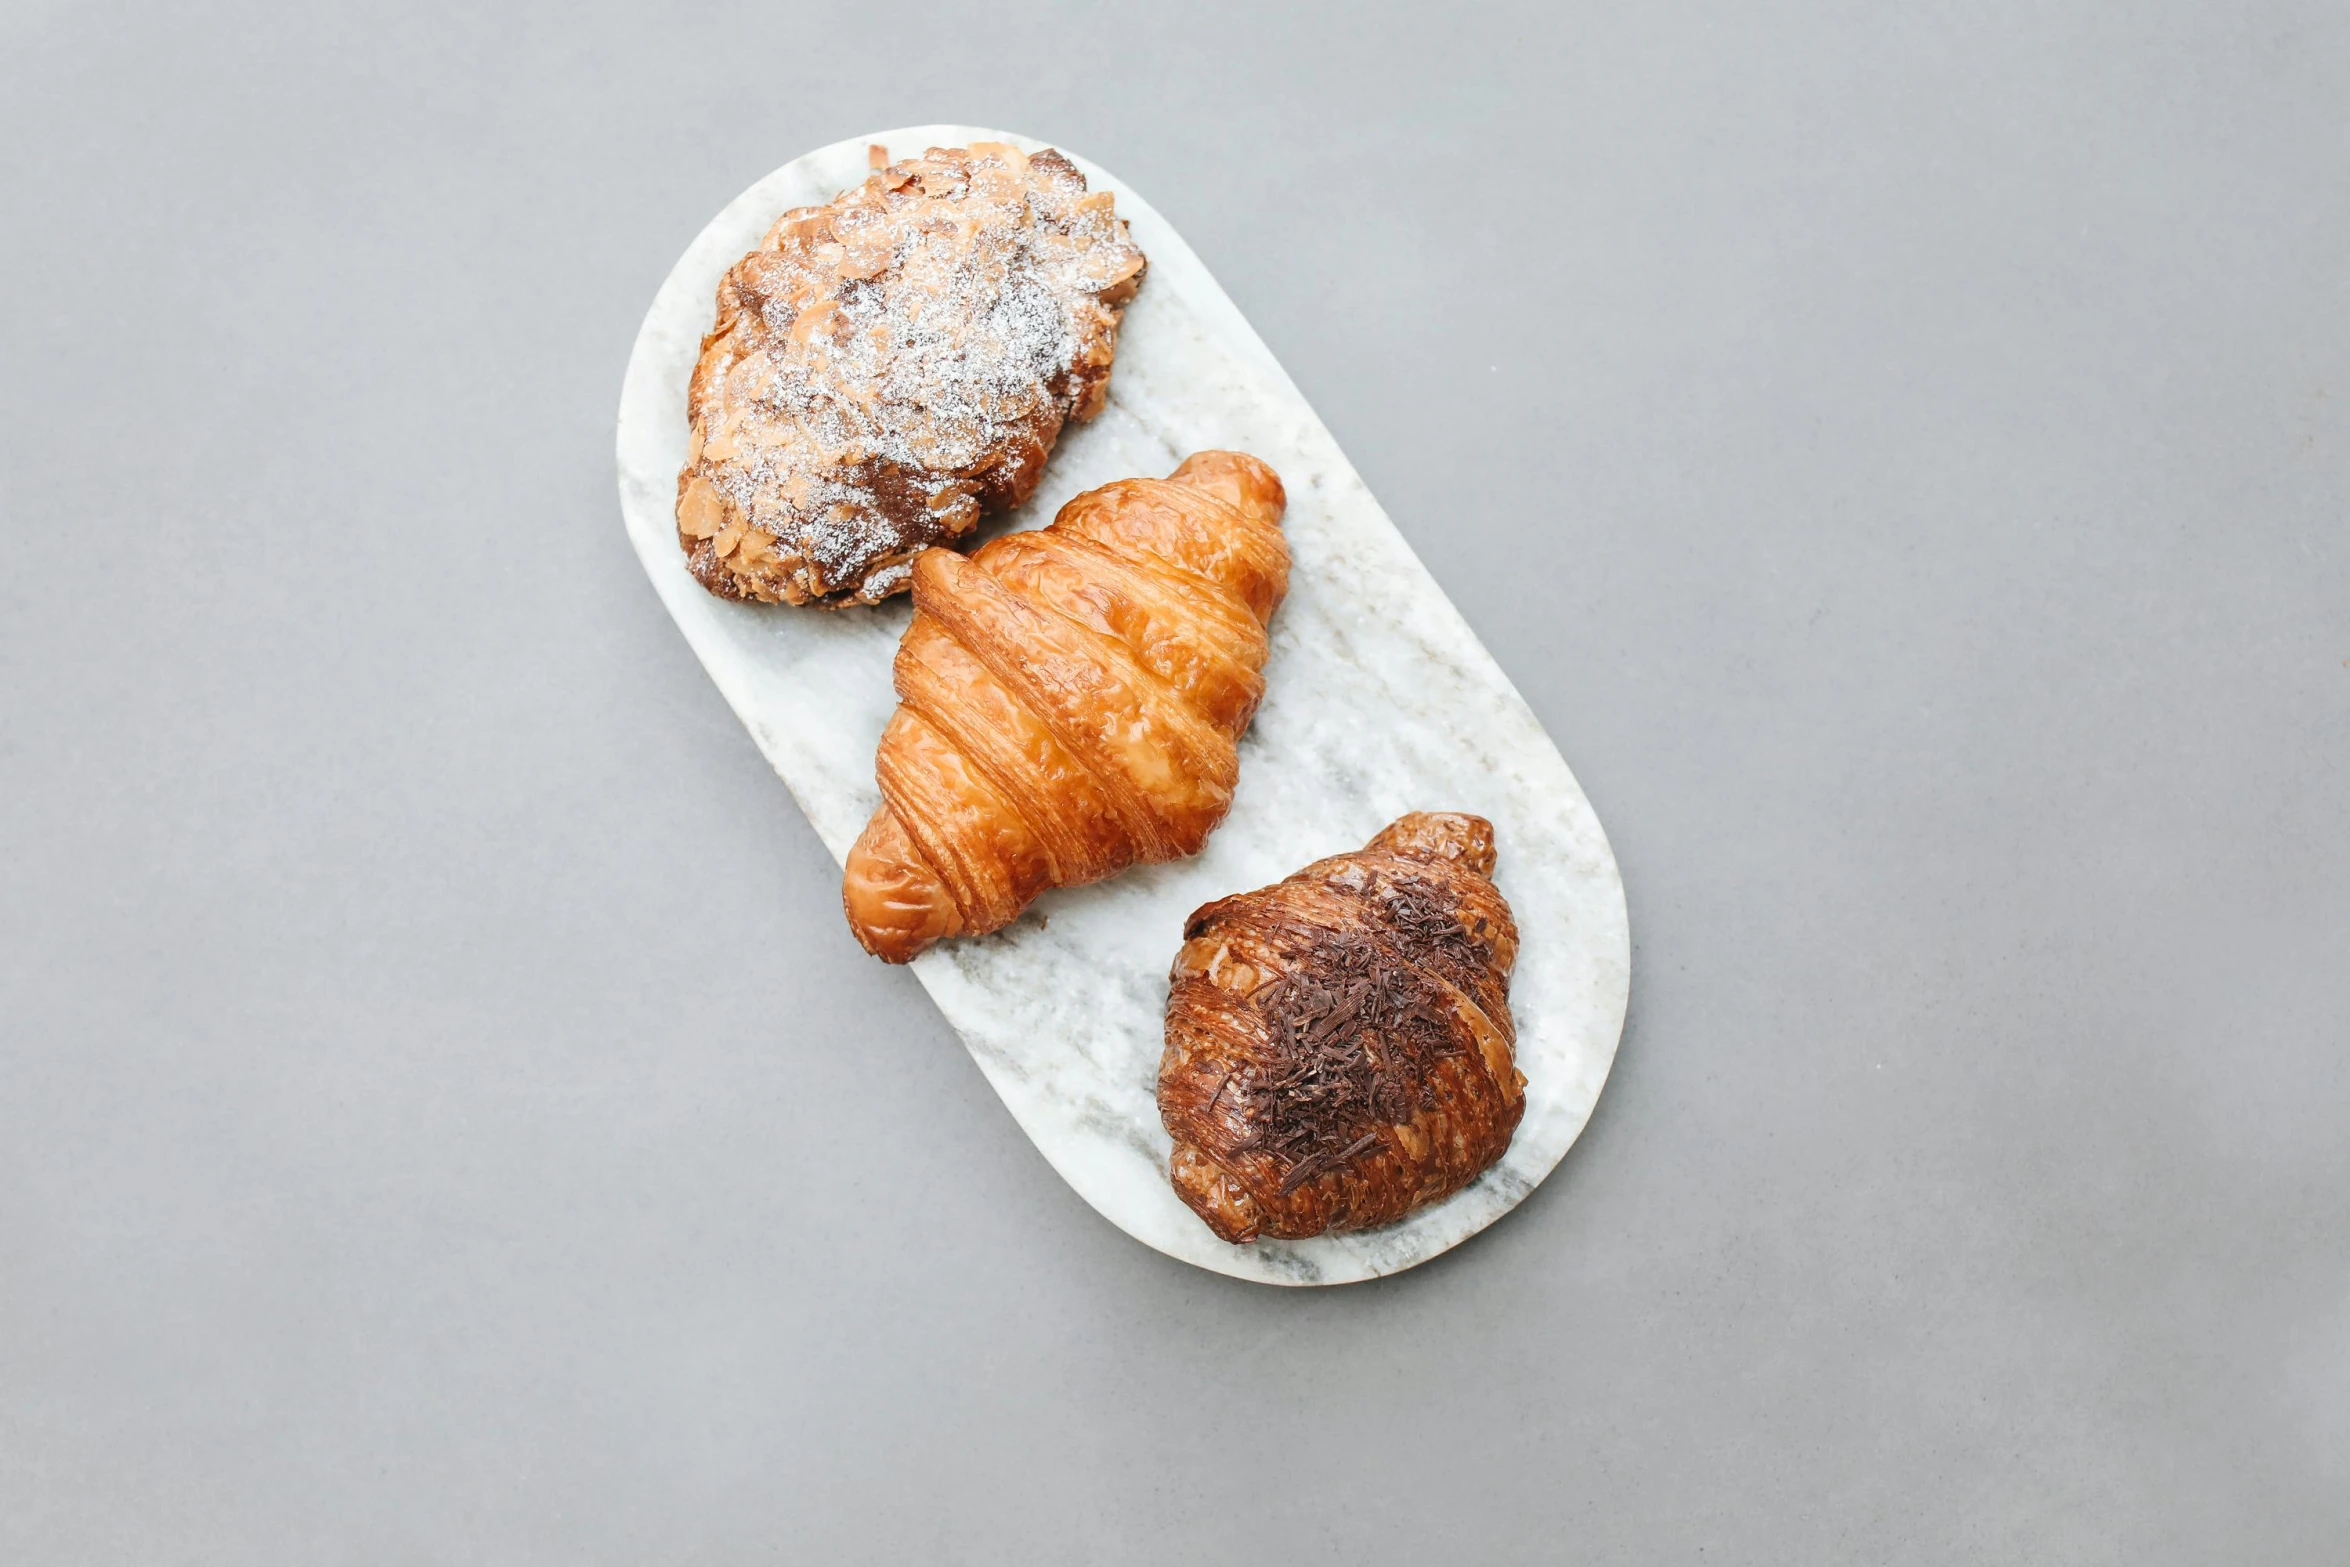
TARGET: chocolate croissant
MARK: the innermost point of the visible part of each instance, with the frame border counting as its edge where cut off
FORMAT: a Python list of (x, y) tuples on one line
[(1070, 701), (1339, 1047)]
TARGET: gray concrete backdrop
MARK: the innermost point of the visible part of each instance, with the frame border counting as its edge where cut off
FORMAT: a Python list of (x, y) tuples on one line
[(1902, 452)]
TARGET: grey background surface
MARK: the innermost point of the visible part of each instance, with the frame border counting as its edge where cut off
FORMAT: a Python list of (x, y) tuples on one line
[(1901, 452)]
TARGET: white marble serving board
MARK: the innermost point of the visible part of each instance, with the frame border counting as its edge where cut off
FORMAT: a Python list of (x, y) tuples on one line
[(1379, 700)]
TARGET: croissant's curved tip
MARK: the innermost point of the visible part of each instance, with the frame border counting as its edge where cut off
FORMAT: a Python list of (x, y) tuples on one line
[(1223, 1203), (1238, 479), (1440, 835), (896, 905)]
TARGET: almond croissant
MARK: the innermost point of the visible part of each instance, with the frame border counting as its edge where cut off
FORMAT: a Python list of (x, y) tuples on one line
[(1339, 1045), (885, 368), (1069, 701)]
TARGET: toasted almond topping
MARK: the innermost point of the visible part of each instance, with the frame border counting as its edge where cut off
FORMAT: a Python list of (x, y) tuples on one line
[(867, 256), (701, 513), (1005, 151), (814, 319)]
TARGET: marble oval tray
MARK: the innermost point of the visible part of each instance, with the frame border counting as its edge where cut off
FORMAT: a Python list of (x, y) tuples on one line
[(1379, 700)]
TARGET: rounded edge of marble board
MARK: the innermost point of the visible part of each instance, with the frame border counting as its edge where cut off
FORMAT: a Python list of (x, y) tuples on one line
[(1240, 1262)]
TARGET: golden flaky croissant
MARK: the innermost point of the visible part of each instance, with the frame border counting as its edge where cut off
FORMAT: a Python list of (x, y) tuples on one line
[(1339, 1046), (1070, 701)]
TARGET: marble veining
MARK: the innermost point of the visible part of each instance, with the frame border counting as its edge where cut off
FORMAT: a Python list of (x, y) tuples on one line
[(1379, 700)]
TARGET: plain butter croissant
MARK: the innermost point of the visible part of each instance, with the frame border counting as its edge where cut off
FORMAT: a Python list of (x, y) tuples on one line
[(1339, 1045), (1070, 701)]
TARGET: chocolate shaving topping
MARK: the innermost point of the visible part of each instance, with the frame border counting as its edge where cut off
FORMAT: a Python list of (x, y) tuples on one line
[(1354, 1031)]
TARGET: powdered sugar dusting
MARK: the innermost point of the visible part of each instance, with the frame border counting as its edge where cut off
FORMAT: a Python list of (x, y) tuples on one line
[(887, 368)]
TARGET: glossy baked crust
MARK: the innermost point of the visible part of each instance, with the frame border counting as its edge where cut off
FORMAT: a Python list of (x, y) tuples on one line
[(1339, 1045), (886, 368), (1070, 701)]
